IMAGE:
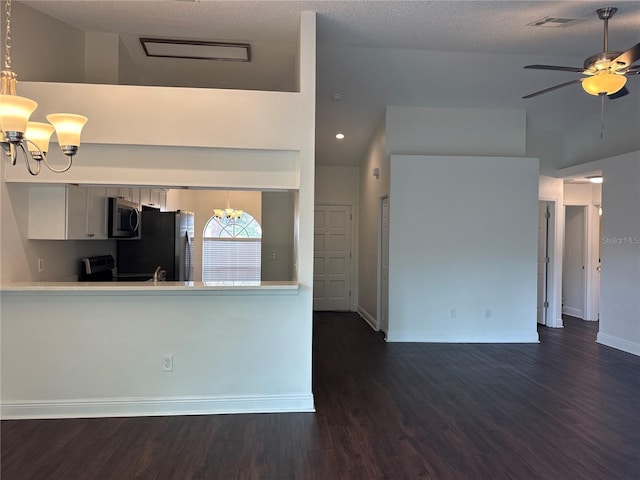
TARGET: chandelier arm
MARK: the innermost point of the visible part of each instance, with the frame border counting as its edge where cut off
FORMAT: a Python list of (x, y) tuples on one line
[(10, 151), (44, 158), (27, 156)]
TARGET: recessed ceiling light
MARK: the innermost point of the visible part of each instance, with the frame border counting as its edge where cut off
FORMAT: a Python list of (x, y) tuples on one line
[(336, 97), (340, 136), (595, 179)]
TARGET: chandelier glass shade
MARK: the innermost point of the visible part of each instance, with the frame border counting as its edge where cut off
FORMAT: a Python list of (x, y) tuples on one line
[(604, 83), (31, 139)]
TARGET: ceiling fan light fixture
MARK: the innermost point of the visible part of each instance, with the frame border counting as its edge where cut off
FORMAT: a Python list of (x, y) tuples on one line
[(604, 83)]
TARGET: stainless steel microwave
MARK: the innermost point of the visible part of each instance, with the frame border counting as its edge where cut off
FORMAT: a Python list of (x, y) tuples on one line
[(124, 219)]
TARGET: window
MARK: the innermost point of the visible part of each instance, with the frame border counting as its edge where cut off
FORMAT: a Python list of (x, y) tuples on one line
[(231, 249)]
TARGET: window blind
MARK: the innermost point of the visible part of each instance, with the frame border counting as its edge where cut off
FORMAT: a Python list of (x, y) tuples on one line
[(231, 259)]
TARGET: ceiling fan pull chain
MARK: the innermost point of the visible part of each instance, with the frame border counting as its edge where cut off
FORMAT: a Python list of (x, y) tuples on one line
[(602, 115)]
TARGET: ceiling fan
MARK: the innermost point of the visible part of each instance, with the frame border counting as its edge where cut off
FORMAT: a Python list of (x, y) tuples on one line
[(606, 72)]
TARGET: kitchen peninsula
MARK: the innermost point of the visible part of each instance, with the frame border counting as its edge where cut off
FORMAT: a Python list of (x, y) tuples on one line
[(74, 350)]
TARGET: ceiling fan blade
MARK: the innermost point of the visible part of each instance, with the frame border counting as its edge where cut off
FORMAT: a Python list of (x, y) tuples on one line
[(555, 67), (620, 93), (551, 89), (629, 57)]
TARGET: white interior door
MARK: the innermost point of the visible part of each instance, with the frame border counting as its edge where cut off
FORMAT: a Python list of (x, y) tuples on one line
[(544, 258), (332, 258), (384, 266)]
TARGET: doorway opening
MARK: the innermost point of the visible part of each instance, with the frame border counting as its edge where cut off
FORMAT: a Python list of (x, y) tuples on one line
[(574, 262)]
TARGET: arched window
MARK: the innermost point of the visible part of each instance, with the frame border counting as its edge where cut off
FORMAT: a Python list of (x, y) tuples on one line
[(231, 249)]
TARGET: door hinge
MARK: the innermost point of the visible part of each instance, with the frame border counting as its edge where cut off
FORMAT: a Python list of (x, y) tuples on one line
[(547, 214), (546, 304), (546, 259)]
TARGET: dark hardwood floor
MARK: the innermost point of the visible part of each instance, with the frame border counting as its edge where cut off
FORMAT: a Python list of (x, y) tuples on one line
[(566, 408)]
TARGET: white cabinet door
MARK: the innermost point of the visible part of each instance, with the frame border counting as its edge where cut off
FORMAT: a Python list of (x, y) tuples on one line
[(155, 198), (112, 192), (163, 200), (76, 213), (134, 196), (124, 193), (96, 213), (47, 216), (145, 196)]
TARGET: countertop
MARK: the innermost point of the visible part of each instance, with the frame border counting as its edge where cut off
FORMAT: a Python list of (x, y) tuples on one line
[(154, 288)]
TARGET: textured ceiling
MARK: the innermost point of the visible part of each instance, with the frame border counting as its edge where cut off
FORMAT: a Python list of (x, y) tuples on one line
[(376, 53)]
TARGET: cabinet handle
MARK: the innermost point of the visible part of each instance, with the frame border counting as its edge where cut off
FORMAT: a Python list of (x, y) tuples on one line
[(91, 235)]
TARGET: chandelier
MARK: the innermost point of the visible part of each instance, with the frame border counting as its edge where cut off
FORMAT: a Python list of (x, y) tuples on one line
[(230, 213), (31, 138)]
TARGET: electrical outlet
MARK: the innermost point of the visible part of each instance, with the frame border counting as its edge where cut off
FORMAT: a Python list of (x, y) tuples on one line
[(41, 265), (452, 313), (167, 363), (487, 313)]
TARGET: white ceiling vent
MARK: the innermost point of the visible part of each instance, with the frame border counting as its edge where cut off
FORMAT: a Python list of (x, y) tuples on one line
[(555, 22)]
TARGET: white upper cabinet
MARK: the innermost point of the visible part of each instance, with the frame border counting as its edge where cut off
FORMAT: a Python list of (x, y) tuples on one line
[(67, 212), (153, 197)]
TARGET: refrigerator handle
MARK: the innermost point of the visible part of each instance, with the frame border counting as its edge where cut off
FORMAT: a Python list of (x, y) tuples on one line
[(187, 246)]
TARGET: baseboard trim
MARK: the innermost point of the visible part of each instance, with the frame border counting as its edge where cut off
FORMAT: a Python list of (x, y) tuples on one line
[(455, 337), (367, 317), (574, 312), (618, 343), (149, 407)]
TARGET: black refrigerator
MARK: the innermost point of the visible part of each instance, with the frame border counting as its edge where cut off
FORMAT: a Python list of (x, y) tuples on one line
[(166, 241)]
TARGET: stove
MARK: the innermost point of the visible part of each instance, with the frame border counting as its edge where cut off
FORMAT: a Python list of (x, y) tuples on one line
[(97, 269), (101, 269)]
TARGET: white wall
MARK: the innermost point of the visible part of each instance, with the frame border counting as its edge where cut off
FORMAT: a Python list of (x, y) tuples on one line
[(43, 48), (101, 58), (620, 277), (424, 131), (547, 146), (277, 236), (128, 72), (371, 190), (619, 120), (463, 237), (582, 194), (71, 355), (455, 131), (341, 186)]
